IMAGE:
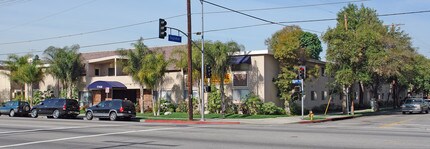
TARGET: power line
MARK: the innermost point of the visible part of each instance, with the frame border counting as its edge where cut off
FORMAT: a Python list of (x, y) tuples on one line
[(176, 16), (289, 7), (251, 16), (48, 16), (86, 46)]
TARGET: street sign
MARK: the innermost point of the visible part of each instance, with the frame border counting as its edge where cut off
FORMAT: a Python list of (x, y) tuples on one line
[(175, 38), (297, 81)]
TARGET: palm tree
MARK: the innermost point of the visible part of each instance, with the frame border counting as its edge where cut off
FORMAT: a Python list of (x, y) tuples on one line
[(133, 65), (153, 69), (24, 71), (65, 65), (218, 55)]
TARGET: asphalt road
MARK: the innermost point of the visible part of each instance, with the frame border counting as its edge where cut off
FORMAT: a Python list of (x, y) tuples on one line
[(392, 130)]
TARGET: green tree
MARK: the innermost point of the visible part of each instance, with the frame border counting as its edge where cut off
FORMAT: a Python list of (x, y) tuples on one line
[(350, 44), (134, 65), (292, 47), (152, 73), (25, 71), (217, 55), (65, 65)]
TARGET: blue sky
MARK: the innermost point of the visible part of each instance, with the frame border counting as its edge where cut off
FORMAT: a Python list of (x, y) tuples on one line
[(23, 20)]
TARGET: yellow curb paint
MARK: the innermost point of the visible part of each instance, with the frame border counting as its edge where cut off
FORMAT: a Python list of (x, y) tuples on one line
[(395, 123)]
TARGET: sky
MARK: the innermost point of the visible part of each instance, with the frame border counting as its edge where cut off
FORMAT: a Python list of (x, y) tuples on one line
[(96, 24)]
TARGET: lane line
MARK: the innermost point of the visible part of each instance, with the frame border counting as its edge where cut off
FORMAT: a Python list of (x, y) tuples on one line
[(396, 123), (87, 136), (58, 128)]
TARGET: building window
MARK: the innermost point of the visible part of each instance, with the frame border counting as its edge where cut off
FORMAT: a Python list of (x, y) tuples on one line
[(240, 94), (111, 71), (97, 72), (323, 95), (195, 94), (313, 95), (322, 71), (166, 95), (240, 79)]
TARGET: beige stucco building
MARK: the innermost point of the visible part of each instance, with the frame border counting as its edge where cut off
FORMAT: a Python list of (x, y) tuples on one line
[(250, 72)]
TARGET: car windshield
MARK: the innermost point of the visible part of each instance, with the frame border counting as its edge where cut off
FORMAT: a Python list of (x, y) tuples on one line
[(412, 101)]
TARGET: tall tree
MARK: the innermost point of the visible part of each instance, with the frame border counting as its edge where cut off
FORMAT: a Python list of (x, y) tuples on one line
[(65, 65), (218, 55), (25, 71), (357, 36), (152, 73), (292, 47), (134, 64)]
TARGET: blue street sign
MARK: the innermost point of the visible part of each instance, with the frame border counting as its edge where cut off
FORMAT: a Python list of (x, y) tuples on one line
[(175, 38), (297, 81)]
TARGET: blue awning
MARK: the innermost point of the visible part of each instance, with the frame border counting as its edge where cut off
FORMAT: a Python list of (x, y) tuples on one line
[(101, 85), (234, 60)]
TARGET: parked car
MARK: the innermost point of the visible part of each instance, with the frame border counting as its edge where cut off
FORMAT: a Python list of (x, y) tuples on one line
[(413, 105), (15, 108), (112, 109), (56, 108)]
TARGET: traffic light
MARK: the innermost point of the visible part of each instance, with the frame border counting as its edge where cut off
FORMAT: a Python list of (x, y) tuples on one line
[(162, 28), (208, 71), (302, 72)]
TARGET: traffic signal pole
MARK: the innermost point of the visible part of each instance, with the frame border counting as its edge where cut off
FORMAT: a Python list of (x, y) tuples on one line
[(202, 102), (303, 97)]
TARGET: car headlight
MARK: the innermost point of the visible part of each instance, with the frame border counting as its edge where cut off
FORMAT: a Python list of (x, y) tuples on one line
[(417, 106), (403, 106)]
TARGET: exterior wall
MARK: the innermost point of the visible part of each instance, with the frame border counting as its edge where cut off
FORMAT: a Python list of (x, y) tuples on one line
[(271, 71), (5, 87), (173, 83), (48, 83)]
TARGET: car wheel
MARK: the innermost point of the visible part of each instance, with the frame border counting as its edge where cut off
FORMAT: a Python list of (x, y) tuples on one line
[(26, 108), (12, 113), (56, 114), (403, 112), (34, 113), (113, 116), (89, 115), (427, 111)]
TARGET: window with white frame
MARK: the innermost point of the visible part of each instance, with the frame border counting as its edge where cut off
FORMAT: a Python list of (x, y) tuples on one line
[(240, 94), (323, 95)]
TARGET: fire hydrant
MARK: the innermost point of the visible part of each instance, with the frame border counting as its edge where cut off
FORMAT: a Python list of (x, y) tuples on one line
[(311, 115)]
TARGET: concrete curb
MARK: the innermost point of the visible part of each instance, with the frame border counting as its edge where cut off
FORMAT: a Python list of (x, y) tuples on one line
[(327, 119), (190, 122)]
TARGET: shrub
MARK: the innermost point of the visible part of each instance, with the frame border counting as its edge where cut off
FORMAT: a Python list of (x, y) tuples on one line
[(167, 106), (253, 104), (182, 106), (269, 108), (214, 102)]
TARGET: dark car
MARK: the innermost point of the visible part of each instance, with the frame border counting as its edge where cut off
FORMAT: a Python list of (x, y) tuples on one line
[(112, 109), (56, 108), (14, 108), (417, 105)]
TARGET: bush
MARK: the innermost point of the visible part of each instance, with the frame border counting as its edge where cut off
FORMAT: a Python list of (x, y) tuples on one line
[(214, 102), (253, 104), (182, 106), (269, 108), (167, 106)]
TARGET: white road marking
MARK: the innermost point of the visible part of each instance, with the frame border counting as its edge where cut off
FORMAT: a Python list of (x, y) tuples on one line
[(87, 136), (58, 128)]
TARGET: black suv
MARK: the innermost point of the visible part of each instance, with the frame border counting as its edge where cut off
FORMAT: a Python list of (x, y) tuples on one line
[(14, 108), (112, 109), (56, 108)]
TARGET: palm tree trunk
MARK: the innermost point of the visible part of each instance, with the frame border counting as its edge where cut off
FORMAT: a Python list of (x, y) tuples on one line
[(222, 96), (141, 99), (31, 94)]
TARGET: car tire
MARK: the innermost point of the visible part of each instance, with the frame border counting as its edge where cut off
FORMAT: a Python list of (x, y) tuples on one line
[(89, 115), (403, 112), (427, 111), (12, 113), (113, 116), (34, 113), (56, 114)]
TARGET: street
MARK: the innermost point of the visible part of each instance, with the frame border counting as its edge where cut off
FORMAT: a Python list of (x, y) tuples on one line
[(389, 130)]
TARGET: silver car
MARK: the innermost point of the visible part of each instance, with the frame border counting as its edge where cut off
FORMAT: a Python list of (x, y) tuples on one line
[(415, 105)]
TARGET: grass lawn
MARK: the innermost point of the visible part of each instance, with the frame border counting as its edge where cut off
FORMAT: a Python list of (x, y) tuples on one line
[(184, 116)]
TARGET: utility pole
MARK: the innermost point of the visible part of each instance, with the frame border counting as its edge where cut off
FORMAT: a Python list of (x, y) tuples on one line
[(202, 103), (347, 87), (190, 82)]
